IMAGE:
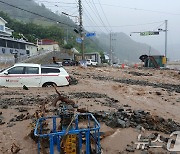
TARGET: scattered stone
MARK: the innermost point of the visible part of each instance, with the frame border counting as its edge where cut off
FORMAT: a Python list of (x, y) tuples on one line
[(12, 120), (22, 109), (178, 100), (4, 106), (139, 74), (0, 113), (144, 152), (137, 119), (158, 93), (152, 136), (73, 81), (10, 124), (168, 87), (2, 122), (173, 152), (25, 88), (130, 148), (121, 123), (15, 149)]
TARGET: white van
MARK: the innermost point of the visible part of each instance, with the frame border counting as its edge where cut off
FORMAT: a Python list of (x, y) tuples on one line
[(34, 75), (91, 62)]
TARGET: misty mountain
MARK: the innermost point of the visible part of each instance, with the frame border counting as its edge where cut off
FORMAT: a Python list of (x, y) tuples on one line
[(124, 48), (32, 6)]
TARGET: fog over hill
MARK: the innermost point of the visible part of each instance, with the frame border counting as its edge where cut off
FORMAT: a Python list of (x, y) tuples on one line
[(124, 48)]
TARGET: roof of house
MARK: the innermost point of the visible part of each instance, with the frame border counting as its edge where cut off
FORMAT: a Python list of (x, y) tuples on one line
[(9, 29), (46, 42), (17, 40), (3, 20)]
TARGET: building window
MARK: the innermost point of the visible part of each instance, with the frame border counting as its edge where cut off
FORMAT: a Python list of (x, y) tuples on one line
[(2, 43), (10, 44), (3, 50), (11, 51), (22, 46), (2, 28)]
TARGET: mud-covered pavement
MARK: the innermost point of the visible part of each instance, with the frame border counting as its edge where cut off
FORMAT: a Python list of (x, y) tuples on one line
[(125, 101)]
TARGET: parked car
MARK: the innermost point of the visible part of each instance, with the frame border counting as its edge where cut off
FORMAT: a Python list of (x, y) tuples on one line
[(91, 62), (69, 62), (34, 75)]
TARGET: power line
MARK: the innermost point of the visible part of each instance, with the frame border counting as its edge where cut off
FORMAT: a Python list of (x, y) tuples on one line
[(131, 8), (104, 14), (36, 14), (93, 11), (88, 15), (99, 15), (129, 25), (54, 2), (91, 19), (139, 9)]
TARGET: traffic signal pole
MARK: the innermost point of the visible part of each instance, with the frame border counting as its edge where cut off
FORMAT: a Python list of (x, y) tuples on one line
[(166, 24)]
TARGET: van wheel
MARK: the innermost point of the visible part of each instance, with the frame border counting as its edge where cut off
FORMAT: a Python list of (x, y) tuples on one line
[(49, 84)]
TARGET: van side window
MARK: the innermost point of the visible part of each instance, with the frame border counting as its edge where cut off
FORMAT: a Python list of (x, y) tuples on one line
[(16, 70), (32, 70), (49, 70)]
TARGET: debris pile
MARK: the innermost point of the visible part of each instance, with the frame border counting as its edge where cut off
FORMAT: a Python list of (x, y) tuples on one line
[(139, 74), (169, 87), (125, 118)]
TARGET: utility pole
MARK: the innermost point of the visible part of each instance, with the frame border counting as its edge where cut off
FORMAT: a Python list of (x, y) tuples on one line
[(149, 56), (166, 24), (110, 50), (81, 29)]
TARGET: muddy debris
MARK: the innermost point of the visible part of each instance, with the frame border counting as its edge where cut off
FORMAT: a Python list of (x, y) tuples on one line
[(4, 103), (15, 149), (139, 74), (1, 121), (4, 106), (20, 117), (10, 124), (22, 109), (158, 93), (168, 87), (134, 118), (73, 81), (88, 95), (130, 148)]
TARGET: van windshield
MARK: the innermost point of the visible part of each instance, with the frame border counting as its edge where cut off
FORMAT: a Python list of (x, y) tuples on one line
[(1, 70)]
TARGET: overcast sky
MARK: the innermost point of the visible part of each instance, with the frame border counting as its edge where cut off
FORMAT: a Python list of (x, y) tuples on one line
[(129, 16)]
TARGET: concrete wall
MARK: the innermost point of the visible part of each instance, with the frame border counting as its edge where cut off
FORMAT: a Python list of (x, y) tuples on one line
[(53, 47), (33, 49)]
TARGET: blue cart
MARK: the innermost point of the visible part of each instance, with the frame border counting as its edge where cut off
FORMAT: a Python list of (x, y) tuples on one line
[(72, 139)]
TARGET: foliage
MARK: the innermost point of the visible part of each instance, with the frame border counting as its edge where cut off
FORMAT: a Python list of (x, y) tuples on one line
[(68, 46), (33, 31)]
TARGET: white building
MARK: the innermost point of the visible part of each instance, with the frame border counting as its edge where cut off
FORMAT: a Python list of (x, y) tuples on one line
[(4, 31), (9, 45)]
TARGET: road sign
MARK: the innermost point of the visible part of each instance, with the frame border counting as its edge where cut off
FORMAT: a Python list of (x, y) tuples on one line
[(78, 40), (149, 33), (90, 34)]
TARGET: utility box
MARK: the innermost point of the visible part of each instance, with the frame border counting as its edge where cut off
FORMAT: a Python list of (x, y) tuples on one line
[(155, 61)]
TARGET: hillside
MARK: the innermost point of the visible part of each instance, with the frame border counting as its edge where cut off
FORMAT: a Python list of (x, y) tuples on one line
[(35, 26), (124, 47), (31, 6)]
